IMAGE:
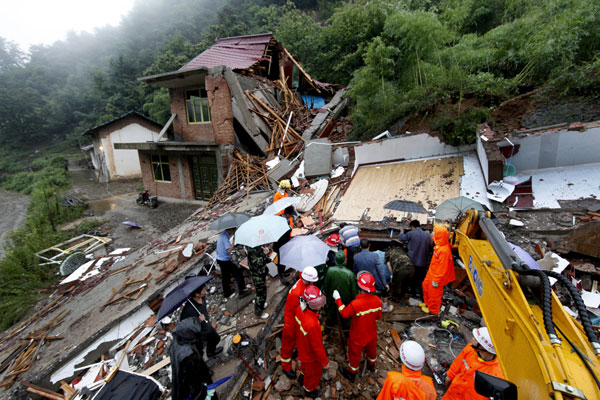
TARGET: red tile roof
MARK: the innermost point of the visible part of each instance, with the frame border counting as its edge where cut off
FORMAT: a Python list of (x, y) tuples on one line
[(239, 52)]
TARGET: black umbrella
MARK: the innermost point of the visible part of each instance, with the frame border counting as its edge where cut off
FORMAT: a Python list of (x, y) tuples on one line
[(404, 205), (228, 221), (180, 294)]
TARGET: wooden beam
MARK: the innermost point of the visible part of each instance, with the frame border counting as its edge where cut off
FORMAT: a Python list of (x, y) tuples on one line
[(46, 393), (159, 365)]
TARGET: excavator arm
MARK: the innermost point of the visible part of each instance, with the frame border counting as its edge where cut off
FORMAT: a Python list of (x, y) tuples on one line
[(542, 349)]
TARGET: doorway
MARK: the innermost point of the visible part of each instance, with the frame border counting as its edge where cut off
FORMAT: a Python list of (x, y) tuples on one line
[(205, 176)]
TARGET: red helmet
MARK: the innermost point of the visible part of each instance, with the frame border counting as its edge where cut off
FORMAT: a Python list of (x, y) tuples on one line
[(333, 240), (366, 281), (313, 296)]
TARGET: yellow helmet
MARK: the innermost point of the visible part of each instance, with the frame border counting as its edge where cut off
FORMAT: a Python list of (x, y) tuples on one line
[(285, 183)]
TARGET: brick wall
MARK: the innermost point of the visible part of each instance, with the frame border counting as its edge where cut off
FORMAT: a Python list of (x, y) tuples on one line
[(173, 188)]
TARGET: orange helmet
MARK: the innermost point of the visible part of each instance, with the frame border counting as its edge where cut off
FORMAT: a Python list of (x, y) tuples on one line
[(313, 296), (366, 281), (333, 240)]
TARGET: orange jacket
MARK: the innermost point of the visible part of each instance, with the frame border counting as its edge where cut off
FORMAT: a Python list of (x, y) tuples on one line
[(423, 382), (399, 386), (441, 268), (278, 196), (292, 302), (309, 339), (462, 374), (364, 310)]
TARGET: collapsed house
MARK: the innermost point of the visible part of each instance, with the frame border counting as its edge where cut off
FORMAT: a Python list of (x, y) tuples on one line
[(245, 94)]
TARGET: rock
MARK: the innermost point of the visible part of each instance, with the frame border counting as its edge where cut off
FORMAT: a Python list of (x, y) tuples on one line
[(381, 381), (289, 398), (283, 384), (327, 392), (332, 370), (371, 381)]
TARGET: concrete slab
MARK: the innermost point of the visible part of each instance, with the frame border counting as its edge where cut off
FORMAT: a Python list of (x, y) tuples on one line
[(284, 167), (317, 158)]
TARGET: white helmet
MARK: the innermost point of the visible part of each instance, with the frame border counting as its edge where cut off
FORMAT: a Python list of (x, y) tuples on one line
[(412, 355), (482, 335), (310, 274)]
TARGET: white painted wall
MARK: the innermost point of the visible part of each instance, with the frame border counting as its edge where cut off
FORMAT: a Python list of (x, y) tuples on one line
[(483, 160), (125, 163), (556, 149), (404, 147)]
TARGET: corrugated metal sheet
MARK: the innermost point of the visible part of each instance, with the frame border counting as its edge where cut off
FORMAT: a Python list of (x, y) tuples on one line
[(238, 52)]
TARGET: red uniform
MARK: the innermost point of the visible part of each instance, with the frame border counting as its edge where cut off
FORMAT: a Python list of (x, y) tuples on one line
[(311, 351), (364, 310), (441, 270), (290, 326), (408, 385), (462, 374)]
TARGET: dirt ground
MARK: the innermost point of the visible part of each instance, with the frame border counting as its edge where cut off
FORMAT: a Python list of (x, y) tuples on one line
[(13, 208), (114, 203)]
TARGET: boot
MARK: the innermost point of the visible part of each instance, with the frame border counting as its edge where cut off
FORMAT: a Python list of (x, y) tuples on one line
[(370, 368), (291, 374), (313, 395), (347, 374), (425, 309)]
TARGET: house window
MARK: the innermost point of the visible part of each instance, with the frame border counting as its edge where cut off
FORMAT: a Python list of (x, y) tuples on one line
[(160, 168), (198, 110)]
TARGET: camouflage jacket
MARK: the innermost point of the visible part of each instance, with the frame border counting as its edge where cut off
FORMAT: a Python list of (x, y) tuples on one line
[(397, 258), (257, 260)]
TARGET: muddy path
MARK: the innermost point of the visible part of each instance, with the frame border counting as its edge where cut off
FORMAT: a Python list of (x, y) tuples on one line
[(114, 203), (13, 209)]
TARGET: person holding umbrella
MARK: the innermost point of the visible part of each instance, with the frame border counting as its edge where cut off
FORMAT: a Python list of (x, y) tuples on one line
[(195, 307), (257, 263), (288, 333), (228, 268), (190, 374)]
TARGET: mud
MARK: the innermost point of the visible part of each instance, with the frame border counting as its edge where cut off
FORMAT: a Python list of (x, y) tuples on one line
[(13, 209), (114, 203)]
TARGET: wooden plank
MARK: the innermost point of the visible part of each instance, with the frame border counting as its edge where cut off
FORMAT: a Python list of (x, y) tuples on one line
[(397, 340), (46, 393), (428, 182), (159, 365)]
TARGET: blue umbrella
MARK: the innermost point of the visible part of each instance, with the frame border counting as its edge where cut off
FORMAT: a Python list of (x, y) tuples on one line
[(227, 221), (261, 230), (304, 251), (180, 294)]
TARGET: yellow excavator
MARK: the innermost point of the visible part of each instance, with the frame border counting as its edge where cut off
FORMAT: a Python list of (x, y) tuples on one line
[(545, 353)]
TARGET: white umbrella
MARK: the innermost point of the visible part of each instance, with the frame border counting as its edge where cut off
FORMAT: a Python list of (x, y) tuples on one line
[(261, 230), (280, 205), (303, 251)]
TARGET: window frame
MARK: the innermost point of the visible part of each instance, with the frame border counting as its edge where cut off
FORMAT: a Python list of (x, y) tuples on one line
[(197, 103), (162, 164)]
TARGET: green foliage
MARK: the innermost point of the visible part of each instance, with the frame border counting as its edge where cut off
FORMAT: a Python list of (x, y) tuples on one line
[(20, 273), (461, 129), (581, 80)]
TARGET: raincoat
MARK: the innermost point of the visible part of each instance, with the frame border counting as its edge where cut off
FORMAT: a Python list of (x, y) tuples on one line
[(190, 374), (441, 270), (343, 280), (462, 374), (407, 385)]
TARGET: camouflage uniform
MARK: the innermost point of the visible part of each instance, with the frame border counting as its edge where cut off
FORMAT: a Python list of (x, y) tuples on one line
[(257, 262), (403, 270)]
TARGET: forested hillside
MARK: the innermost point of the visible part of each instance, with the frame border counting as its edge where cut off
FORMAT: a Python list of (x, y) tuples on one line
[(399, 58)]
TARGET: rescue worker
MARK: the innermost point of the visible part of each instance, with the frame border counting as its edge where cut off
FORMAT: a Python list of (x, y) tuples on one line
[(478, 356), (257, 263), (281, 192), (441, 271), (311, 351), (288, 333), (350, 239), (341, 279), (364, 310), (409, 384), (335, 243)]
